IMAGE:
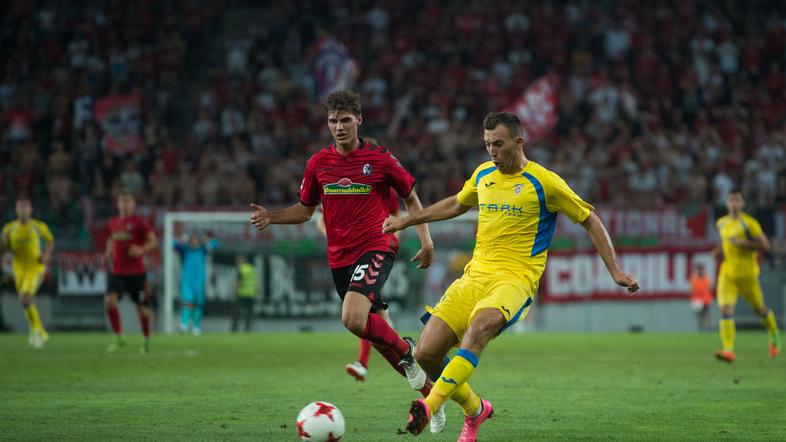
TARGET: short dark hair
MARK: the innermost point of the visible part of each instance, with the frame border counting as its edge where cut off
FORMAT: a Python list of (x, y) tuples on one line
[(736, 189), (24, 197), (343, 101), (509, 120), (123, 193)]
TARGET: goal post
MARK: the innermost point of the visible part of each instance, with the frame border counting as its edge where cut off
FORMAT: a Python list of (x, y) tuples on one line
[(196, 220), (294, 281)]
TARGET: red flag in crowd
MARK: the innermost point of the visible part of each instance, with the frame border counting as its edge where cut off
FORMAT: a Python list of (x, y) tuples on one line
[(119, 116), (537, 108)]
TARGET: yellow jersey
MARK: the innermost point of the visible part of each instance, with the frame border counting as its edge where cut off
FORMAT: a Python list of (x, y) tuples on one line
[(517, 217), (738, 261), (24, 240)]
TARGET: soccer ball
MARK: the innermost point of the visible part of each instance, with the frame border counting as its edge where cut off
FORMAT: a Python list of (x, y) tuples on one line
[(320, 422)]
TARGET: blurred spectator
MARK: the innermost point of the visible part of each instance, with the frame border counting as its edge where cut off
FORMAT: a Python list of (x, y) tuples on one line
[(701, 297)]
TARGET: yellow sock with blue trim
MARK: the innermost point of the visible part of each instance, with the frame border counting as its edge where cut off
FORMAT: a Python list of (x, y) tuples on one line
[(770, 323), (33, 319), (454, 375), (467, 399), (727, 331)]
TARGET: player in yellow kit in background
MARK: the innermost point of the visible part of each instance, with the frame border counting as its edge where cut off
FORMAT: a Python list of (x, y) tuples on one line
[(518, 202), (23, 237), (741, 240)]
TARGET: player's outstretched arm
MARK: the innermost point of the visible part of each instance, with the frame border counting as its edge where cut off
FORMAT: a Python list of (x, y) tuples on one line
[(108, 251), (600, 238), (297, 214), (426, 253), (445, 209)]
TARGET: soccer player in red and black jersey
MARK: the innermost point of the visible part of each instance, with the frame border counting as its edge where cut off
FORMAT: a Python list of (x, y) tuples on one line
[(352, 179), (359, 368), (130, 238)]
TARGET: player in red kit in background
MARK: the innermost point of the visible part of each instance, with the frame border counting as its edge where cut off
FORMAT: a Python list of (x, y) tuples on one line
[(130, 238), (352, 179)]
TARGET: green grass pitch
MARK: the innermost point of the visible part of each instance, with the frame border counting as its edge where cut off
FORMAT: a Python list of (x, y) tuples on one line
[(601, 387)]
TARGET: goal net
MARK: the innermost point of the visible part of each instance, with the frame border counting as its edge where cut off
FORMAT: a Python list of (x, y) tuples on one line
[(293, 278)]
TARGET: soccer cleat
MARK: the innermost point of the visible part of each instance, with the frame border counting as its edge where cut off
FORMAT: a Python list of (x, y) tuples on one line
[(725, 355), (775, 344), (35, 341), (145, 347), (31, 338), (119, 341), (41, 338), (415, 375), (357, 371), (196, 331), (419, 416), (438, 420), (472, 423)]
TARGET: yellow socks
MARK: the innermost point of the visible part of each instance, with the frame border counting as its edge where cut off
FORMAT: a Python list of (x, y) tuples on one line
[(769, 323), (33, 319), (727, 331), (453, 377), (467, 399)]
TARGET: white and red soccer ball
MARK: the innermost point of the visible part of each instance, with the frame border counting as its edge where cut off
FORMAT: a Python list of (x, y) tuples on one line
[(320, 422)]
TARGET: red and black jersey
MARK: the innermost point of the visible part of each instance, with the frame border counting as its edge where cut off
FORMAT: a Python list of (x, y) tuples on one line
[(355, 191), (125, 232)]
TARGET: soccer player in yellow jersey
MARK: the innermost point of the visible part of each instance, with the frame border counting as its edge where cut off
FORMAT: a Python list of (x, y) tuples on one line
[(741, 240), (518, 202), (23, 237)]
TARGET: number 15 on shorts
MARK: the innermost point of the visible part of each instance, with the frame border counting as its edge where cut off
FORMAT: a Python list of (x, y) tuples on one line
[(360, 272)]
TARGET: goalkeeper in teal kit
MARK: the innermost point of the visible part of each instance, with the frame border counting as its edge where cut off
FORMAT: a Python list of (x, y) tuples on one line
[(193, 250)]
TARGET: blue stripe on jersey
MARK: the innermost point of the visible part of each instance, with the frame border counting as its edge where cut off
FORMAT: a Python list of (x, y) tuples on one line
[(547, 221), (516, 316), (483, 173), (745, 229)]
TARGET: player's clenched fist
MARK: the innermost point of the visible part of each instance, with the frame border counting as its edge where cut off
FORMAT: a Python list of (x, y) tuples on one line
[(626, 280), (393, 224), (260, 218)]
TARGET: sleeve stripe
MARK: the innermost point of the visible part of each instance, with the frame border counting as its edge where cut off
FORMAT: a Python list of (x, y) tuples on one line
[(547, 221), (483, 173)]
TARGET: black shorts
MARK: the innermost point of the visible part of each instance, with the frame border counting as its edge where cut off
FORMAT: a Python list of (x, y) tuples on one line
[(134, 285), (366, 276)]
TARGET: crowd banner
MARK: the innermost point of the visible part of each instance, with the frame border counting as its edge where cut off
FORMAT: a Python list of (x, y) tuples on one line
[(119, 116), (537, 108), (663, 273)]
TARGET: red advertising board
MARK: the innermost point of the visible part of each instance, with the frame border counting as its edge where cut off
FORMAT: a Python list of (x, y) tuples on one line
[(662, 273)]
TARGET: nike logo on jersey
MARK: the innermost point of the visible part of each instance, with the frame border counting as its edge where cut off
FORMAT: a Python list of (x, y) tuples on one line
[(506, 310), (449, 380), (490, 184)]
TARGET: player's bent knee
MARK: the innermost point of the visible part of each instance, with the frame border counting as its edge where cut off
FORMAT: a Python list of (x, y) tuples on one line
[(426, 356), (354, 323), (110, 301)]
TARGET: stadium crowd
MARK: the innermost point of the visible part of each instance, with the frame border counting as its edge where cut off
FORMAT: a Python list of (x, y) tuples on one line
[(667, 102)]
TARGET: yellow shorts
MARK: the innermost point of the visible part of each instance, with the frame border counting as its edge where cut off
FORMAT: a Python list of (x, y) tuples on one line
[(28, 278), (472, 293), (748, 287)]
